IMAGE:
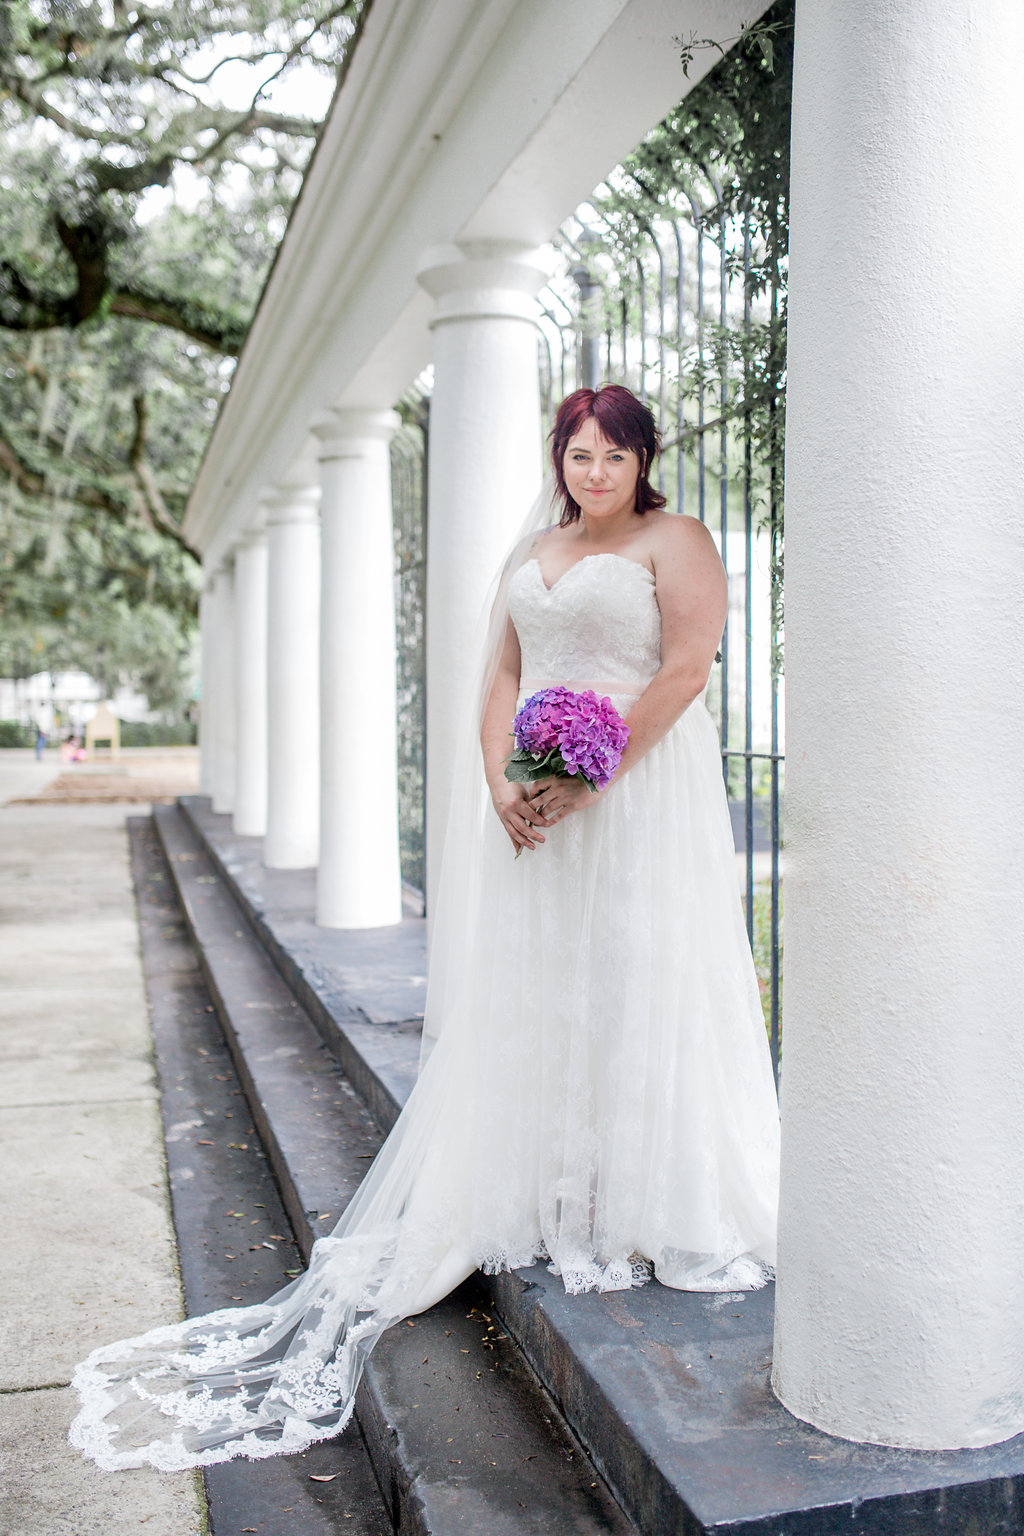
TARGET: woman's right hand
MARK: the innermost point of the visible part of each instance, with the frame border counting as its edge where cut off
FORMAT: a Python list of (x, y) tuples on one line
[(519, 818)]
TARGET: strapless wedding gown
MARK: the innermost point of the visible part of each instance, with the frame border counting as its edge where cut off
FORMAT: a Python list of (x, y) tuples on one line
[(601, 1095)]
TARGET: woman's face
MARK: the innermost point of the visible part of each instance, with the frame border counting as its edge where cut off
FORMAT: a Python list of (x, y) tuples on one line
[(601, 477)]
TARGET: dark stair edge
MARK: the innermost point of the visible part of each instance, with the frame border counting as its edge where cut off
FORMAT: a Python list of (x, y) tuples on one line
[(200, 1095), (904, 1493), (561, 1493), (341, 1023)]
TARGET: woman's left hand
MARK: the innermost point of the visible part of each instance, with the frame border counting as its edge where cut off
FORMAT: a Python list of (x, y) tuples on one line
[(557, 797)]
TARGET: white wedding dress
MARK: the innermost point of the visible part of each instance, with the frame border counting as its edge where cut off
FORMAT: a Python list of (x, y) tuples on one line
[(601, 1094)]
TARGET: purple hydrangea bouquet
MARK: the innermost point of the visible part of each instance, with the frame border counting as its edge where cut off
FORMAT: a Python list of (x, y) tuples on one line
[(572, 734)]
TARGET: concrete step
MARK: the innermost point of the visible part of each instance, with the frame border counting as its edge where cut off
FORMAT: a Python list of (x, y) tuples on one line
[(461, 1436), (233, 1235), (668, 1391)]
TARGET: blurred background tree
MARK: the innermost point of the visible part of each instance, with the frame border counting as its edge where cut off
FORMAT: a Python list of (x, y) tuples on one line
[(148, 163)]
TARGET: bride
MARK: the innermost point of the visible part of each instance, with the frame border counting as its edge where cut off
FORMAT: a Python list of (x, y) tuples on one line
[(596, 1089)]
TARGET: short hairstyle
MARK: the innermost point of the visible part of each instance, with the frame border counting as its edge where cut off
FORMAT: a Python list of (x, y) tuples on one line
[(623, 420)]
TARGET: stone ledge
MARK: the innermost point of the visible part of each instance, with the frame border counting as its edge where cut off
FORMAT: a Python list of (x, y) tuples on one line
[(667, 1390)]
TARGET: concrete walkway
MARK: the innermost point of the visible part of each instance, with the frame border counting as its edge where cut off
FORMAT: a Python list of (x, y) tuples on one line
[(86, 1244)]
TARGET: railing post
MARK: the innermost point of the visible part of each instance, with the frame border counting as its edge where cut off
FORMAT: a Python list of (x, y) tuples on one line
[(589, 320)]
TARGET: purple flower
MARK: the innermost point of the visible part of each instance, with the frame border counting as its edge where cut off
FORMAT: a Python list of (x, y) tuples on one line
[(583, 734), (538, 723)]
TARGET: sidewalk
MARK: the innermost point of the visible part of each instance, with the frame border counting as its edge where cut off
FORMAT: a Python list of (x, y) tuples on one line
[(86, 1245)]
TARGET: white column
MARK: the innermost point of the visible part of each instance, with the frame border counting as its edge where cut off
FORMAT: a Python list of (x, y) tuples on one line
[(901, 1255), (224, 688), (359, 879), (293, 678), (485, 472), (250, 807), (207, 687)]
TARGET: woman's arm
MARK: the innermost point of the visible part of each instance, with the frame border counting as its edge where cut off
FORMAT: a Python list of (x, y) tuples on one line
[(693, 596), (517, 815)]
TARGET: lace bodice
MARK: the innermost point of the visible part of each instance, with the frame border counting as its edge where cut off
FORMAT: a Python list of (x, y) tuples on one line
[(599, 624)]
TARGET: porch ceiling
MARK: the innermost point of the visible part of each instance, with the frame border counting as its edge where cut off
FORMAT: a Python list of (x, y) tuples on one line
[(457, 119)]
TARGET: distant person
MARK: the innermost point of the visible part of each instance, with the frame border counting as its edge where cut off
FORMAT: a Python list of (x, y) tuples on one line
[(41, 740)]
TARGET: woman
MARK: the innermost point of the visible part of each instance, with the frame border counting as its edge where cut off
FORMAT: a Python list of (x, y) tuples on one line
[(600, 1094)]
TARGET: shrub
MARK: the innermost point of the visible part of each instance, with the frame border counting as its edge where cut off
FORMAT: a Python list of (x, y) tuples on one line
[(150, 733)]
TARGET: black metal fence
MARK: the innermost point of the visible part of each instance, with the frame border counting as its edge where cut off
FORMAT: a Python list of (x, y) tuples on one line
[(409, 503), (661, 299)]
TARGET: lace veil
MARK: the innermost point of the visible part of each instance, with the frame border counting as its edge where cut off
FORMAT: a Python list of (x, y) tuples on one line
[(276, 1377)]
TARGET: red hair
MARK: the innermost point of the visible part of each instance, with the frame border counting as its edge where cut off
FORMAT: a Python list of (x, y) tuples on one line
[(620, 418)]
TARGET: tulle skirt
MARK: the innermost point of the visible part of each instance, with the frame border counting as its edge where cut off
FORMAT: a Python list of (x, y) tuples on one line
[(600, 1097), (614, 1042)]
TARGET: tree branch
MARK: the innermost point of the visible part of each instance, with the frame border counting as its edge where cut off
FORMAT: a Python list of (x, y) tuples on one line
[(220, 332), (31, 482), (147, 482), (28, 93)]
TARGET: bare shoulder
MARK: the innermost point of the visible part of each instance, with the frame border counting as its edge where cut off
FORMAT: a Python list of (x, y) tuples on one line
[(544, 538), (682, 541)]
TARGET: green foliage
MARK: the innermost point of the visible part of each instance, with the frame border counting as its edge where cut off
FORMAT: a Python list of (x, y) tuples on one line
[(762, 949), (146, 182), (146, 733), (14, 734), (722, 157)]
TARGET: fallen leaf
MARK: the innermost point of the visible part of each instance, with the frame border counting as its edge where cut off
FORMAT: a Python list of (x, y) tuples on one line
[(322, 1477)]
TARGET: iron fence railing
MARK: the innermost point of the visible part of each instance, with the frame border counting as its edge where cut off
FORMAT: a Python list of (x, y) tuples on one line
[(661, 299), (409, 506)]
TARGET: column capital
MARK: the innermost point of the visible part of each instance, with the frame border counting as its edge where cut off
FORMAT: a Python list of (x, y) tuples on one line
[(254, 535), (339, 432), (484, 279), (293, 503)]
